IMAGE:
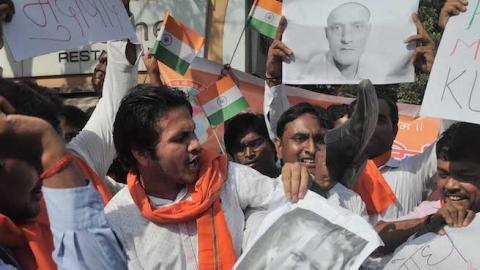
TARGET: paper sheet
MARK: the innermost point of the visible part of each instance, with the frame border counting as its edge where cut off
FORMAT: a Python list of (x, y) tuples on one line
[(342, 42)]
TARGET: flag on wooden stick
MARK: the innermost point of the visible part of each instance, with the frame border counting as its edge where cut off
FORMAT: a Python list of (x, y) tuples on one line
[(176, 45)]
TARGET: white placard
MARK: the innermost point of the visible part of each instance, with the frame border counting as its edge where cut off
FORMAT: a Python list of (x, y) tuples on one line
[(311, 234), (455, 250), (453, 89), (43, 26), (342, 42)]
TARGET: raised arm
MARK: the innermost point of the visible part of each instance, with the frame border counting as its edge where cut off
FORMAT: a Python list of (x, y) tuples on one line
[(81, 234), (95, 142), (275, 100)]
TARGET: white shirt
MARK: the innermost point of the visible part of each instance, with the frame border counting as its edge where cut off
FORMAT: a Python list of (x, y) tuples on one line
[(174, 246), (411, 179), (346, 198), (94, 143)]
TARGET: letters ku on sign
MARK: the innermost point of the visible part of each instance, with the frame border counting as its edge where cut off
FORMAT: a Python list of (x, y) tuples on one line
[(453, 90), (43, 26)]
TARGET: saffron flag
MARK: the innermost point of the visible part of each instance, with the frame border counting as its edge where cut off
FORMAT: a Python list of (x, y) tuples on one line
[(176, 45), (265, 17), (222, 101)]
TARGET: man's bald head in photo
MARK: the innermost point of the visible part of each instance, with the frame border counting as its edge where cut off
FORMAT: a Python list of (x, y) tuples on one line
[(347, 31)]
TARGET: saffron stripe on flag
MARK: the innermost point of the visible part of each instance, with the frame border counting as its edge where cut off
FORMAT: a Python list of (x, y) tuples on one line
[(266, 16), (216, 90), (176, 46), (222, 101), (170, 59), (273, 6), (262, 27), (228, 112), (183, 33)]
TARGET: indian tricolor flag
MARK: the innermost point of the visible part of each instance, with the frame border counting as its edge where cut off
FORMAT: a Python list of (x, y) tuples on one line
[(265, 17), (222, 101), (176, 45)]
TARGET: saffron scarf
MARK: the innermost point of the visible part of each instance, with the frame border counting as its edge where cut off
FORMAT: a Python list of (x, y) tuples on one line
[(372, 186), (32, 243), (215, 245)]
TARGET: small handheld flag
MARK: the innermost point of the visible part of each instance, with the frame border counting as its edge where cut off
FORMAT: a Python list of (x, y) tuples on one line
[(265, 17), (176, 45), (222, 101)]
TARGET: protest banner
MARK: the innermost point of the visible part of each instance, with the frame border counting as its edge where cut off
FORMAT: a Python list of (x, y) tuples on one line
[(338, 42), (41, 27), (414, 133), (310, 234), (453, 90), (455, 250)]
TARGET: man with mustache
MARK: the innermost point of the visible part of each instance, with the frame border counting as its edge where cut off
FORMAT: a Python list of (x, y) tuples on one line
[(184, 207), (407, 182)]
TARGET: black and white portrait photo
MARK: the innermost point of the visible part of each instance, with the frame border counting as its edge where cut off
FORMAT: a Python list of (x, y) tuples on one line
[(312, 234), (342, 42)]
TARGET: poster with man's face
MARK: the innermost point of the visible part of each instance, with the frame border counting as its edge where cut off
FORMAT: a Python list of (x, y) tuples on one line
[(343, 42)]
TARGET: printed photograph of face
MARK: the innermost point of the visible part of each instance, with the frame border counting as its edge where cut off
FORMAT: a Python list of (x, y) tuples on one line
[(347, 31), (301, 239), (345, 41)]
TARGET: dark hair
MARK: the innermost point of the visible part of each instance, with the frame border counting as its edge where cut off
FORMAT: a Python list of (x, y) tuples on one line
[(136, 125), (298, 110), (337, 111), (391, 104), (445, 142), (74, 116), (465, 144), (49, 93), (27, 101), (242, 123)]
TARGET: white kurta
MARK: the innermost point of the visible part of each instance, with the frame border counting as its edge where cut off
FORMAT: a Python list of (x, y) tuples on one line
[(411, 179), (174, 246), (94, 143)]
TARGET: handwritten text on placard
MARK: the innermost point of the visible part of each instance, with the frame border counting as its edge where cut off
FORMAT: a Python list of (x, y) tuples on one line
[(453, 90), (44, 26)]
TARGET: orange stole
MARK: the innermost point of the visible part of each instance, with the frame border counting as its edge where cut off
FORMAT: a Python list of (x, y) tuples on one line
[(32, 243), (215, 245), (373, 188)]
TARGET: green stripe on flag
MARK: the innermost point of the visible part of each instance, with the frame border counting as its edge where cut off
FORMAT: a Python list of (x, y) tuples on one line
[(262, 27), (168, 58), (228, 112)]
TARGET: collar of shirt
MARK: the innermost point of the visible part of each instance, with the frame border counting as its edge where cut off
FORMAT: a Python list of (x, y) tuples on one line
[(159, 202)]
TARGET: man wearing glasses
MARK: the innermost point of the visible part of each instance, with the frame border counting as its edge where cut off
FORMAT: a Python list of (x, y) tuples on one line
[(247, 142)]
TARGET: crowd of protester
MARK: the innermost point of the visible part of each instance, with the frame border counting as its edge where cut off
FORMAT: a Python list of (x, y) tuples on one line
[(130, 186)]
